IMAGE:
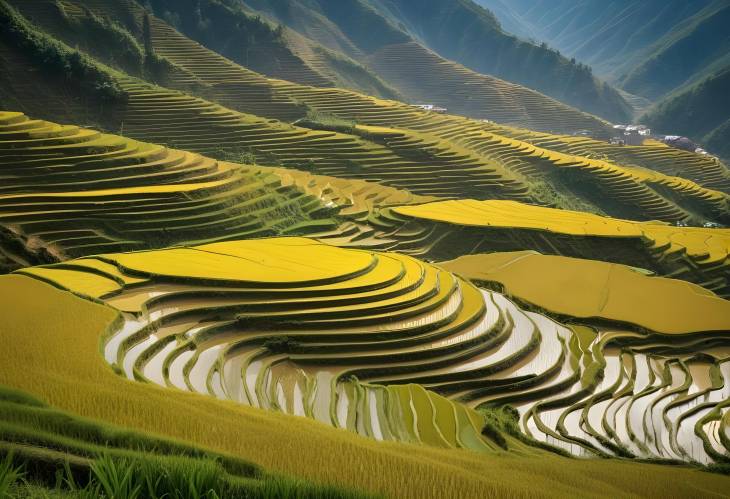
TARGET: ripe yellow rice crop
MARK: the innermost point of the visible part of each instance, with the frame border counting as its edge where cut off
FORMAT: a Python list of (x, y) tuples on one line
[(279, 260), (702, 243), (595, 289), (51, 349)]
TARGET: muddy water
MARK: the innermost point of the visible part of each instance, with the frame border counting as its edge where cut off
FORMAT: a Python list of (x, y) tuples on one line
[(176, 369), (199, 373), (154, 366), (130, 326)]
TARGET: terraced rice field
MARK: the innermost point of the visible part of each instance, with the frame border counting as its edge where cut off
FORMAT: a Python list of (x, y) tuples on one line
[(46, 326), (397, 349), (591, 289), (581, 350), (706, 171), (428, 78), (396, 144), (78, 191), (431, 230)]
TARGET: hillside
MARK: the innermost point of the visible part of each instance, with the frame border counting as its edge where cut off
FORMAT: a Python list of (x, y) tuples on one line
[(650, 48), (701, 113), (225, 274), (456, 31), (514, 104), (64, 325)]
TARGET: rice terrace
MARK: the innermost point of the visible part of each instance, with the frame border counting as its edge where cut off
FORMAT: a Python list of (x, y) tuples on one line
[(364, 249)]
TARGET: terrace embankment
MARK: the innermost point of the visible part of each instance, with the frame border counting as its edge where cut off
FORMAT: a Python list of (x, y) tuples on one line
[(397, 349)]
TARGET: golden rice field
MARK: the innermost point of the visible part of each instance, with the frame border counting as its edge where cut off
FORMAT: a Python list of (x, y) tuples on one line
[(394, 349), (46, 325), (430, 230), (351, 290), (591, 289)]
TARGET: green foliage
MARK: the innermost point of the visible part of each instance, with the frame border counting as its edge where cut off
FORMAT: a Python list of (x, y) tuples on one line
[(9, 475), (108, 40), (701, 113), (56, 58), (116, 478), (243, 156), (556, 194), (350, 74), (222, 26), (318, 120), (505, 419), (281, 344), (67, 456)]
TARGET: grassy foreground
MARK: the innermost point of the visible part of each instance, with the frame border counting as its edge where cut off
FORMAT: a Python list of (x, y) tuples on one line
[(51, 350), (49, 453)]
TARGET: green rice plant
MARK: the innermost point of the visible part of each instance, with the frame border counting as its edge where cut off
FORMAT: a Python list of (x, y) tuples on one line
[(9, 475), (117, 479), (65, 480), (288, 488), (179, 478)]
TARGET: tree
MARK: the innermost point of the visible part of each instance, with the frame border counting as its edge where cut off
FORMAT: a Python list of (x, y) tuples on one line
[(147, 34)]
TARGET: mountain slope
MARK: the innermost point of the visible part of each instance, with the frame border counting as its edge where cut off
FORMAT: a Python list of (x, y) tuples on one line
[(462, 31), (384, 141), (699, 47), (700, 113), (260, 45), (459, 31), (650, 48)]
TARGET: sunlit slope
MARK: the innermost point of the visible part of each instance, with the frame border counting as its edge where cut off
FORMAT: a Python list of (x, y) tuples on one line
[(706, 171), (233, 83), (594, 289), (427, 78), (427, 153), (45, 327), (446, 230), (78, 191), (314, 298), (636, 191), (49, 444), (364, 340), (563, 117)]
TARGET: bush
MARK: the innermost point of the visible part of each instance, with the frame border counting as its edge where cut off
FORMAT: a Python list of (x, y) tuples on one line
[(57, 58), (317, 120)]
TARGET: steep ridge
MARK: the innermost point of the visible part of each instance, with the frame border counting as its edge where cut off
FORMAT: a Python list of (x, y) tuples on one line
[(428, 78), (701, 113), (271, 50), (450, 29), (701, 45), (464, 32), (637, 45)]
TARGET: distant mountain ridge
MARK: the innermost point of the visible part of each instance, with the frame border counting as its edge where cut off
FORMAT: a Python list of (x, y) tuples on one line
[(650, 48), (702, 112), (457, 30)]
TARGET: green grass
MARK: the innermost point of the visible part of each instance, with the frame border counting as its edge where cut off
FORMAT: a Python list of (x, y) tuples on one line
[(46, 451)]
